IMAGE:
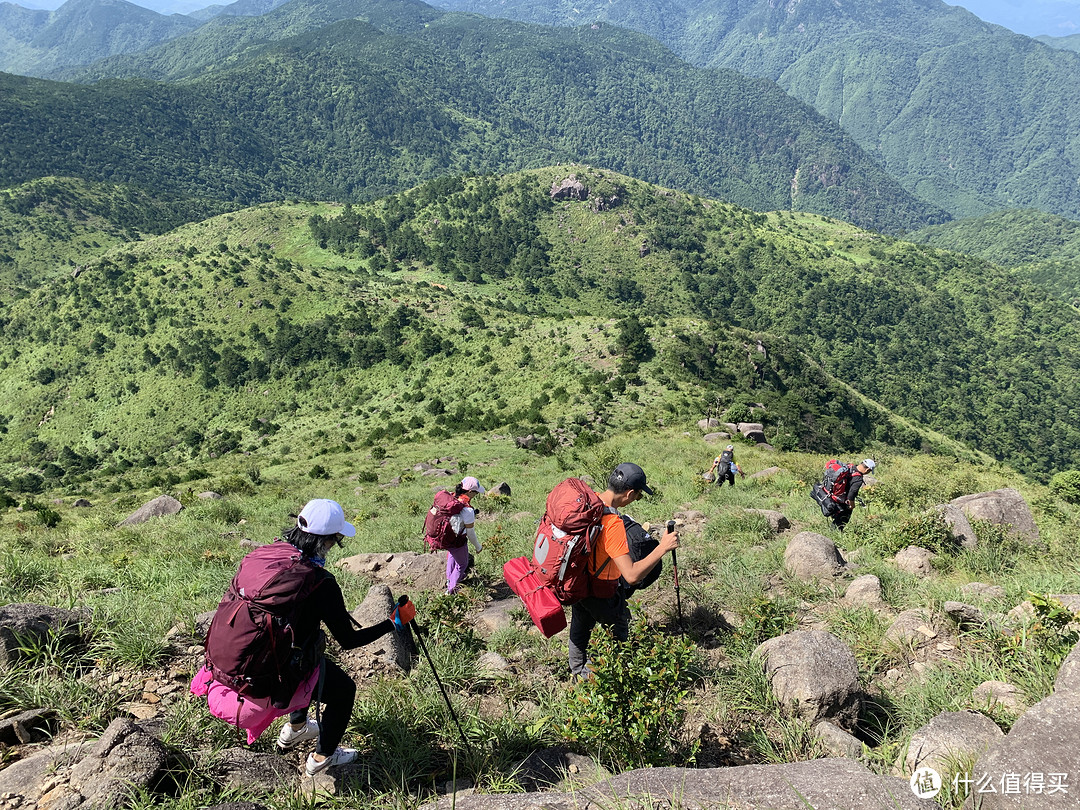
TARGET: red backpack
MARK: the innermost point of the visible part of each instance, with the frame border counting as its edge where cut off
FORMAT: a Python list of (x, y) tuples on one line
[(566, 538), (837, 479), (438, 533), (251, 645)]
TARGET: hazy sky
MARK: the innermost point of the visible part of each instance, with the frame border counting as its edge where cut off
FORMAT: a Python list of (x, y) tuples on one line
[(1032, 17), (1057, 18)]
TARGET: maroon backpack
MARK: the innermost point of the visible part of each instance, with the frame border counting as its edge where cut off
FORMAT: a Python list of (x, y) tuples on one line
[(251, 645), (438, 533), (565, 539)]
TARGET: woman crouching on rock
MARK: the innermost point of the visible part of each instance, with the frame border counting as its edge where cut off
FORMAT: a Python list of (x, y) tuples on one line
[(264, 650)]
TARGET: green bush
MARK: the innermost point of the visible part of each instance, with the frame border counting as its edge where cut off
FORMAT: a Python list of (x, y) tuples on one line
[(234, 485), (927, 530), (1066, 485), (739, 412), (765, 618), (630, 712)]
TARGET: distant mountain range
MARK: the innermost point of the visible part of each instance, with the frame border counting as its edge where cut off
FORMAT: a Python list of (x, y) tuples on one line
[(357, 109), (35, 42), (1070, 42), (81, 31), (967, 115)]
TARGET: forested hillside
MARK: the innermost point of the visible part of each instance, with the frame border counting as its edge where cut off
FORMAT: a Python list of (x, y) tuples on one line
[(49, 227), (1043, 247), (483, 304), (226, 39), (968, 116), (350, 111)]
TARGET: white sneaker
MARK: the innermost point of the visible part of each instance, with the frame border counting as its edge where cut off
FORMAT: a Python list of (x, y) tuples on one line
[(289, 739), (341, 756)]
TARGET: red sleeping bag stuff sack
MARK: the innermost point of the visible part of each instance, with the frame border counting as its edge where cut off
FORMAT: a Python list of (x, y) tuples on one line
[(544, 608)]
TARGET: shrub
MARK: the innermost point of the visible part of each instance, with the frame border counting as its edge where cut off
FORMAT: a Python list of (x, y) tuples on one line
[(739, 412), (234, 485), (49, 518), (1066, 485), (1051, 632), (927, 530), (318, 472), (765, 618), (631, 711)]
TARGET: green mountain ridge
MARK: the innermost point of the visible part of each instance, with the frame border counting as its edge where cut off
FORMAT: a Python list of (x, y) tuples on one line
[(43, 221), (1071, 42), (966, 115), (350, 111), (480, 304), (227, 40), (1042, 247)]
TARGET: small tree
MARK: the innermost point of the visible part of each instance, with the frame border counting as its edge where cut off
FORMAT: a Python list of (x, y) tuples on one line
[(1066, 485), (631, 711), (633, 344)]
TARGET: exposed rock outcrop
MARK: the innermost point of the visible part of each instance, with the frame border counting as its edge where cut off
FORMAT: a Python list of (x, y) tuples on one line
[(814, 675), (811, 556), (161, 506), (1004, 507), (948, 738), (28, 624)]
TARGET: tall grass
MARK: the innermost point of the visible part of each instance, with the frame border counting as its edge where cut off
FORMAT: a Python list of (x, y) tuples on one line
[(138, 582)]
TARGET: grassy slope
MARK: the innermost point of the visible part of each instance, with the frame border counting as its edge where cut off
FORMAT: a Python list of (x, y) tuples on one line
[(140, 581), (105, 398)]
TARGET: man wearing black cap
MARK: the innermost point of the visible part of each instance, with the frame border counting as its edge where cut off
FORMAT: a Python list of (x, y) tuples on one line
[(612, 559)]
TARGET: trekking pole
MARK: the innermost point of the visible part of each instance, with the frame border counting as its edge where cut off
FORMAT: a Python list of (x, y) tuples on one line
[(675, 573), (415, 628)]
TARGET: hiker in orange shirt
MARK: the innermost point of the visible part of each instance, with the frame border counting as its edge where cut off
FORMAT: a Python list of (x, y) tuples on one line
[(607, 604)]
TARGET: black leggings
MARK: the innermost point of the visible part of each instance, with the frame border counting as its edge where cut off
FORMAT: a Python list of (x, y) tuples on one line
[(338, 695)]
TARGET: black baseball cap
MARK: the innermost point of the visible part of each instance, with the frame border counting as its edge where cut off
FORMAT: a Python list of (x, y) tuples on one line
[(631, 476)]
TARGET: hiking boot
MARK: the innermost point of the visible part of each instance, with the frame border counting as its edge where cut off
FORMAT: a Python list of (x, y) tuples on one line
[(341, 756), (288, 739)]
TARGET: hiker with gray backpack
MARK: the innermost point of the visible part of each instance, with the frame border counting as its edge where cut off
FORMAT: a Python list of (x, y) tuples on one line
[(724, 467), (839, 488), (264, 649)]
